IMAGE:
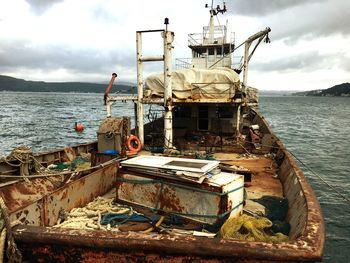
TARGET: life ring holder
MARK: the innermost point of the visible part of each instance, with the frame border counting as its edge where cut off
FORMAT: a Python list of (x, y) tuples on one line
[(132, 140)]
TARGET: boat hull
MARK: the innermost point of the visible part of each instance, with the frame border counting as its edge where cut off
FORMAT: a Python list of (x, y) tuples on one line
[(41, 242)]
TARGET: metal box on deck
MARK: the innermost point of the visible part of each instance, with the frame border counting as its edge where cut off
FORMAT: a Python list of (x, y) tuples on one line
[(219, 197), (112, 132)]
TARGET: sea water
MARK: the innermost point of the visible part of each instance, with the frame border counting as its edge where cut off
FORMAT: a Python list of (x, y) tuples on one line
[(315, 129)]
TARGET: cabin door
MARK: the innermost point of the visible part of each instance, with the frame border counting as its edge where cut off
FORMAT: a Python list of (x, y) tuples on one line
[(203, 118)]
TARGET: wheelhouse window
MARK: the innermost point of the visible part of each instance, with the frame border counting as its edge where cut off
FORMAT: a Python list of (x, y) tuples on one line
[(219, 52), (211, 54), (199, 53)]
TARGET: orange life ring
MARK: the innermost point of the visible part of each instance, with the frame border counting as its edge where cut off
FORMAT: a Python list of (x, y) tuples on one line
[(132, 140)]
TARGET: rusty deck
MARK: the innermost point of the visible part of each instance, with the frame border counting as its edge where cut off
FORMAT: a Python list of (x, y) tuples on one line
[(37, 207), (54, 245)]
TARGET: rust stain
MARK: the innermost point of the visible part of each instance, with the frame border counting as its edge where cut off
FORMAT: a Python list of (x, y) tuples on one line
[(22, 194), (64, 195), (168, 199), (46, 253)]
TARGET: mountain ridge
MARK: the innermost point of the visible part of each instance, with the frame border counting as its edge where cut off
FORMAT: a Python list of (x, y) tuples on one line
[(340, 90), (8, 83)]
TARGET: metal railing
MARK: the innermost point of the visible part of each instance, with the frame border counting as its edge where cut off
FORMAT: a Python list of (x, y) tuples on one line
[(183, 63), (199, 39), (186, 63)]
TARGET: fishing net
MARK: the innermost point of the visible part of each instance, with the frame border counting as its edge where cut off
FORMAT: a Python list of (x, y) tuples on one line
[(251, 229)]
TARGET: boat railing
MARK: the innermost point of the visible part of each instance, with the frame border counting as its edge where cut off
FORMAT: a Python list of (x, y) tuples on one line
[(183, 63), (218, 37), (186, 63)]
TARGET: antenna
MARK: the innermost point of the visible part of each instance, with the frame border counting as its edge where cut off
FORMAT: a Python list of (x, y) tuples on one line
[(214, 11), (166, 23)]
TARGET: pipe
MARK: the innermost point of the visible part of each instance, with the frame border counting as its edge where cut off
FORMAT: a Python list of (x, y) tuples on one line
[(168, 99), (140, 106), (109, 87)]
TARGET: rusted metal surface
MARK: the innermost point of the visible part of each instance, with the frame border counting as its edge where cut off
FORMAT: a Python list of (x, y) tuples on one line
[(60, 155), (305, 214), (264, 169), (44, 211), (306, 239), (21, 194), (109, 87), (48, 253), (135, 243), (99, 158), (191, 100), (47, 158), (192, 201), (79, 193)]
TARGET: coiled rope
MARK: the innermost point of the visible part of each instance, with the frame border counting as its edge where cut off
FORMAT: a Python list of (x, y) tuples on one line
[(12, 252), (89, 217)]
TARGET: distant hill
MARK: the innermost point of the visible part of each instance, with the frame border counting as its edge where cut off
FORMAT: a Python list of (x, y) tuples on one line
[(341, 90), (271, 93), (13, 84)]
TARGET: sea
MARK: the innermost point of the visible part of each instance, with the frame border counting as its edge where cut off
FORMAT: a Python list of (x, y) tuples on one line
[(316, 130)]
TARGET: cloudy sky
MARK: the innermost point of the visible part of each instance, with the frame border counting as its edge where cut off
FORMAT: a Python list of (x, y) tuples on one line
[(87, 40)]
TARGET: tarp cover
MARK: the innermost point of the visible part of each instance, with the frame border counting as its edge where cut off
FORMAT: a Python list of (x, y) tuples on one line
[(217, 83)]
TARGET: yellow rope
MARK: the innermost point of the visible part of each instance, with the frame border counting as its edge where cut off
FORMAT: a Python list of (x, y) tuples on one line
[(160, 221), (2, 244), (13, 254)]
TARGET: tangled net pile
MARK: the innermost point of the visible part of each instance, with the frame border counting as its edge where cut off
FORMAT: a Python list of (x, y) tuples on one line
[(251, 229)]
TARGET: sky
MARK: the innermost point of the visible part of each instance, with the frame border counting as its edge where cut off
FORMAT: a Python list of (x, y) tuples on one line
[(87, 40)]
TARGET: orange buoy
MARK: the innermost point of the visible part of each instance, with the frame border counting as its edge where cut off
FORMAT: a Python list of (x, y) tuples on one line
[(134, 144), (79, 127)]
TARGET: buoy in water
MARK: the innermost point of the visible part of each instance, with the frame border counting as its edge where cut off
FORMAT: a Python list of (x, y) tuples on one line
[(79, 127)]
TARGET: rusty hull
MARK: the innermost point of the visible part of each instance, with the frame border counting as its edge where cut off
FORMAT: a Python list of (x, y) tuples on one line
[(306, 238), (131, 244), (44, 210)]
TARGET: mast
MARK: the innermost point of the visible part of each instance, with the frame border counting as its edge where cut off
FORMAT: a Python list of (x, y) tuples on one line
[(168, 93), (213, 12)]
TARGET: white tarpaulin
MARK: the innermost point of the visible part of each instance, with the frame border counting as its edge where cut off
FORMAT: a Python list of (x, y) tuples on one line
[(217, 83)]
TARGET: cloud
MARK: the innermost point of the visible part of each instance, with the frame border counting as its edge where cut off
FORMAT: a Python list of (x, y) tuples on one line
[(312, 21), (55, 57), (307, 62), (297, 19), (263, 7), (345, 63), (41, 6), (81, 40)]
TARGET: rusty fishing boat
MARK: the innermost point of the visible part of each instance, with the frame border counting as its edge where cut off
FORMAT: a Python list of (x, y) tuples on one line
[(204, 180)]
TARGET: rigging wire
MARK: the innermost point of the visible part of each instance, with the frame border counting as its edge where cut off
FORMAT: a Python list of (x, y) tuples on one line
[(320, 177), (313, 173)]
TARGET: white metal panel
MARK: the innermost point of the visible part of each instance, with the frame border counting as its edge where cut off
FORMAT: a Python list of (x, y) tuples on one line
[(171, 163), (235, 198), (223, 178)]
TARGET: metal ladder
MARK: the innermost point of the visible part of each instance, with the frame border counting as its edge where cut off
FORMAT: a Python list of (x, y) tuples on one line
[(168, 38)]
